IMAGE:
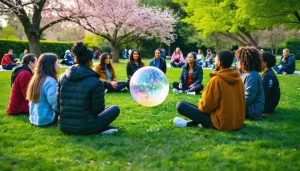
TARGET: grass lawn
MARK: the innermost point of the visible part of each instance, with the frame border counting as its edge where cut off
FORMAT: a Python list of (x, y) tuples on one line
[(148, 140)]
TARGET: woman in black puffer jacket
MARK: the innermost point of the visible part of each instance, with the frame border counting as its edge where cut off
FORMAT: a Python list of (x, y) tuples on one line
[(81, 98)]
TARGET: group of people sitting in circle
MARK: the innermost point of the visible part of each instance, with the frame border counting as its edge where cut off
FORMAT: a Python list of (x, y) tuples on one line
[(76, 99)]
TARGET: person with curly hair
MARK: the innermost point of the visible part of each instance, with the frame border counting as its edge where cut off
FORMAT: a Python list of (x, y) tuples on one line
[(249, 63)]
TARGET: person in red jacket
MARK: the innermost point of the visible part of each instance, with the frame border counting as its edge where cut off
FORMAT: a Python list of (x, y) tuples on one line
[(20, 79), (7, 61)]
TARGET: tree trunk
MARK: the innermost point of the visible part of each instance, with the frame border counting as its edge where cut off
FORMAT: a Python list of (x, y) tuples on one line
[(115, 49), (34, 45)]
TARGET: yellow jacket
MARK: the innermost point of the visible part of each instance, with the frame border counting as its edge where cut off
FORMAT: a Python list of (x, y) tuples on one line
[(224, 99)]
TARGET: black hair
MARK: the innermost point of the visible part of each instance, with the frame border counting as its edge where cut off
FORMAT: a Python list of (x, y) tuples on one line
[(30, 57), (269, 59), (226, 58), (82, 54)]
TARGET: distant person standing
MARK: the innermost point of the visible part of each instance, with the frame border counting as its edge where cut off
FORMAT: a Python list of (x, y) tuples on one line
[(158, 62), (177, 59), (286, 64), (22, 54), (8, 61)]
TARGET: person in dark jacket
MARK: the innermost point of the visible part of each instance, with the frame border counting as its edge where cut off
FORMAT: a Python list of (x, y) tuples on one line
[(286, 64), (158, 62), (20, 79), (108, 76), (249, 63), (134, 64), (191, 76), (270, 83), (81, 98)]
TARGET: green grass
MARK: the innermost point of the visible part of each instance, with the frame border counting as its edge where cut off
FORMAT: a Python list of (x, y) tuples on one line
[(148, 140)]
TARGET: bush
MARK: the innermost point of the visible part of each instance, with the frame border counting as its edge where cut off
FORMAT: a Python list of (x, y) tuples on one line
[(294, 46), (18, 47)]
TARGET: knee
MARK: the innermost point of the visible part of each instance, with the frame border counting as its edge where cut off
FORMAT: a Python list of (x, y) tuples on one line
[(115, 110), (180, 105)]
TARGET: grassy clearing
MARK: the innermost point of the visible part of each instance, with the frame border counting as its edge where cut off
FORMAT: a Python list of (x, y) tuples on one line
[(148, 140)]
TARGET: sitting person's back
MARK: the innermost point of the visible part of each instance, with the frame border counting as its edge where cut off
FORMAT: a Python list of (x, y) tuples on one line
[(270, 83), (249, 63), (81, 97)]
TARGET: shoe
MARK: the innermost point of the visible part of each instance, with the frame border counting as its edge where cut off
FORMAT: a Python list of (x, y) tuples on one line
[(175, 91), (191, 93), (180, 122), (110, 130)]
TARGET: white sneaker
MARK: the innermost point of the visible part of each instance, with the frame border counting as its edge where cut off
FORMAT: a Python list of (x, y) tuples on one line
[(180, 122), (175, 91), (109, 131)]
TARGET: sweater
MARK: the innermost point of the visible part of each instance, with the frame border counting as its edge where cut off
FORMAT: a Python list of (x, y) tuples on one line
[(44, 112), (224, 100), (18, 103)]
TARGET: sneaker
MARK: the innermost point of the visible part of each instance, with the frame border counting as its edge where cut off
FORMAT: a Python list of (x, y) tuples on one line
[(180, 122), (175, 91), (110, 130)]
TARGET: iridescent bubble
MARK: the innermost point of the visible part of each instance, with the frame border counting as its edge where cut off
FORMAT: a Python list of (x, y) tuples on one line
[(149, 86)]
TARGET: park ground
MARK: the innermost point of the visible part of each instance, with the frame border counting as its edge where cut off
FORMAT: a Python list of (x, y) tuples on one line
[(148, 140)]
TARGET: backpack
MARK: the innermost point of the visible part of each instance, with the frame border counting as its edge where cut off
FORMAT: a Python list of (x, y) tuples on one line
[(16, 71)]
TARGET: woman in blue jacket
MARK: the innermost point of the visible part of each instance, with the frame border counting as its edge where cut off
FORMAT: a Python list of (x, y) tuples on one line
[(191, 76), (41, 92)]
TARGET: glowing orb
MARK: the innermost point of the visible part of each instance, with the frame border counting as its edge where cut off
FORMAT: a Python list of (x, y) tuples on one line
[(149, 86)]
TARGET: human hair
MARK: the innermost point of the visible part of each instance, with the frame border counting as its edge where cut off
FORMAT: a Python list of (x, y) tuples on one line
[(82, 54), (102, 61), (226, 58), (269, 59), (194, 54), (45, 67), (30, 57), (139, 59), (249, 59), (158, 50), (286, 49)]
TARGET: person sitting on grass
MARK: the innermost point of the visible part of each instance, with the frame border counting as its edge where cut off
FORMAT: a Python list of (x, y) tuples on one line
[(41, 92), (20, 78), (223, 105), (68, 59), (108, 76), (8, 62), (81, 98), (249, 63), (270, 83), (158, 62), (134, 64), (286, 64), (177, 60), (191, 76)]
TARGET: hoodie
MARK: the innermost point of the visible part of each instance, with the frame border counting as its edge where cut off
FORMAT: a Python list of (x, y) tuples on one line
[(224, 100), (80, 100)]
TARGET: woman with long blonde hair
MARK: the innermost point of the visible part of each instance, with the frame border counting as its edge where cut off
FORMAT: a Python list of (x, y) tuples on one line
[(41, 92)]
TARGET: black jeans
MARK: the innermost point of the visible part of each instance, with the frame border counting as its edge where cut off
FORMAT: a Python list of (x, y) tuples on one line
[(192, 112), (197, 88), (106, 117), (120, 86), (9, 66)]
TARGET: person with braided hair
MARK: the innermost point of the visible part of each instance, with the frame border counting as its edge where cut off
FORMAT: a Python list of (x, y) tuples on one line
[(249, 63)]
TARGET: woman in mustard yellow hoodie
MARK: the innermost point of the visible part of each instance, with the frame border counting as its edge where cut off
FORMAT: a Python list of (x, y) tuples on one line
[(223, 103)]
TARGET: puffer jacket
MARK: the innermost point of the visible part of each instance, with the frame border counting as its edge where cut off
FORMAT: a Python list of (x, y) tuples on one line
[(80, 100), (197, 75)]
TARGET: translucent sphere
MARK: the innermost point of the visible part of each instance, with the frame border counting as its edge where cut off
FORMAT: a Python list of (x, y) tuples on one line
[(149, 86)]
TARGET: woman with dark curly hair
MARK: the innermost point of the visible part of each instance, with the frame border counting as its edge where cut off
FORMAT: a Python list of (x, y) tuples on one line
[(249, 63)]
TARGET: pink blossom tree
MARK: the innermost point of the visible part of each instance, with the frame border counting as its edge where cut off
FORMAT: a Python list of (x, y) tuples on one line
[(120, 21), (34, 16)]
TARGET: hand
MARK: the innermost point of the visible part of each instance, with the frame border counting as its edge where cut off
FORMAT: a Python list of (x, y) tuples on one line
[(192, 85), (180, 86), (114, 84)]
